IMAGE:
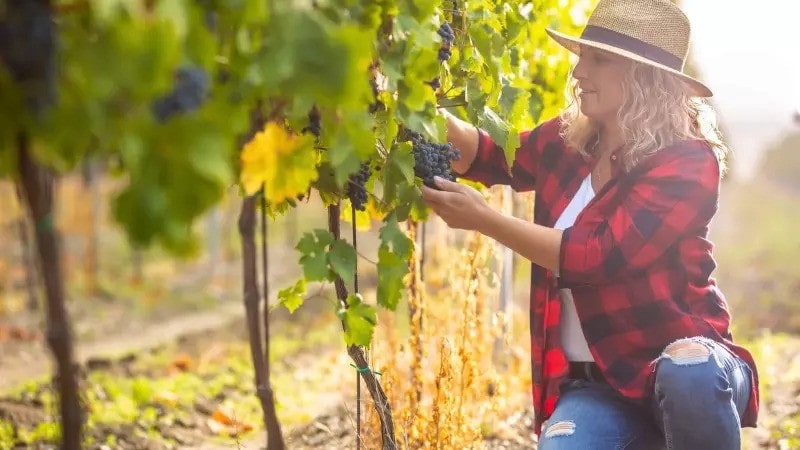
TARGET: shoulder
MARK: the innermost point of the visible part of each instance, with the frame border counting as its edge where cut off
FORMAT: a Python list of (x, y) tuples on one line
[(547, 131), (686, 158), (688, 170), (545, 139)]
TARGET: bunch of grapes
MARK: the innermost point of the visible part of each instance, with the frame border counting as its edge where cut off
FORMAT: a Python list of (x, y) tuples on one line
[(28, 49), (189, 92), (356, 187), (432, 159), (314, 126), (448, 37)]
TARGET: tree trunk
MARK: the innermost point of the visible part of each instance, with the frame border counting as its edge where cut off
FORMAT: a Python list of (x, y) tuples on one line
[(251, 303), (37, 186), (252, 300)]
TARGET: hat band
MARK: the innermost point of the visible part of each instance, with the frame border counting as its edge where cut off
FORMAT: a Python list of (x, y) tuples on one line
[(633, 45)]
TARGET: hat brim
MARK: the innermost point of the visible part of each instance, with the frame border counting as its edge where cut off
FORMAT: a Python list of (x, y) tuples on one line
[(696, 88)]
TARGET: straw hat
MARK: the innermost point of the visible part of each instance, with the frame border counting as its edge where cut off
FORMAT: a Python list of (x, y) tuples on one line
[(653, 32)]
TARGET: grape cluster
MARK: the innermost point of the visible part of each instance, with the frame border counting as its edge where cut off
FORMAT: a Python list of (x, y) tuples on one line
[(314, 126), (435, 83), (448, 37), (189, 92), (28, 49), (432, 159), (356, 187)]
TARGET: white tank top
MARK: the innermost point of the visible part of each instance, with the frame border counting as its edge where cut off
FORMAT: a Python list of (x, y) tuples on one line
[(572, 338)]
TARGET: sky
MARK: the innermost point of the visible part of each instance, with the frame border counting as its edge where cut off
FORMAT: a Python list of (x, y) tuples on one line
[(749, 55)]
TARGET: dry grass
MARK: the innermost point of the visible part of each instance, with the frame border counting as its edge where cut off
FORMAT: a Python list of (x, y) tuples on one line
[(455, 374)]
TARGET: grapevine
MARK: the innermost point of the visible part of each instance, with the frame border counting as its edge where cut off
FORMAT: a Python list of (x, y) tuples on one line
[(335, 85)]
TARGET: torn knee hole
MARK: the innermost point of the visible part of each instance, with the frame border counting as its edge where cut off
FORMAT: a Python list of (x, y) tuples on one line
[(562, 428), (687, 352)]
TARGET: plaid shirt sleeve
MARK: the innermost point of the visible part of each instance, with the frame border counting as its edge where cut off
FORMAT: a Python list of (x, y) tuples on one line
[(675, 195), (490, 166)]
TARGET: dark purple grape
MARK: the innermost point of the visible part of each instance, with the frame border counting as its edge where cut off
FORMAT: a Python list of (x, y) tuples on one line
[(28, 49), (356, 189), (446, 32), (435, 83), (314, 122), (444, 54), (188, 94)]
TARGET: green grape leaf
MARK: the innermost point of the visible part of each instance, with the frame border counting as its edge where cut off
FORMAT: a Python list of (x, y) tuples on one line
[(359, 321), (309, 54), (402, 160), (313, 254), (392, 269), (292, 297), (393, 238), (342, 258)]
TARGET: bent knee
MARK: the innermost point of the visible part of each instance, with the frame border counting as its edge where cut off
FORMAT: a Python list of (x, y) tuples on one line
[(677, 366), (687, 351)]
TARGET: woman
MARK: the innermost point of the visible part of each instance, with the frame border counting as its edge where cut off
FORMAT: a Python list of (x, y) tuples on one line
[(631, 346)]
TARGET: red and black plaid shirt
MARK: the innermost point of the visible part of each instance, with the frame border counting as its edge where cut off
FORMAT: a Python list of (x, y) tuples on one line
[(637, 260)]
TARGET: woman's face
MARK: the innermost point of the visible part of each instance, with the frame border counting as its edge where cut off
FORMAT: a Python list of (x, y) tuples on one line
[(600, 75)]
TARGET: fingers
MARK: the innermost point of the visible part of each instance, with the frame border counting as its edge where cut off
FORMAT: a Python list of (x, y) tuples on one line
[(430, 195), (446, 185)]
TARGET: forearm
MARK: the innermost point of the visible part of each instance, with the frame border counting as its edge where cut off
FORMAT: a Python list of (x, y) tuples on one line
[(464, 137), (540, 245)]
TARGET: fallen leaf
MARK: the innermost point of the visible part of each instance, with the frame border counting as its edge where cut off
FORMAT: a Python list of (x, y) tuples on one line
[(182, 362), (233, 428), (224, 416)]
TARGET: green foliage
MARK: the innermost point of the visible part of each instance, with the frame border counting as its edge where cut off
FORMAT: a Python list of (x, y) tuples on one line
[(363, 65), (394, 251), (314, 256), (359, 320), (292, 297)]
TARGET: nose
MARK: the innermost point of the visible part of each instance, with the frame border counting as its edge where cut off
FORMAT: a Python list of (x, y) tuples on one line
[(579, 71)]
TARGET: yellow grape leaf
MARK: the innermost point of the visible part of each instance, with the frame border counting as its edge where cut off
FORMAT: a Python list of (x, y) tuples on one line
[(363, 218), (284, 162)]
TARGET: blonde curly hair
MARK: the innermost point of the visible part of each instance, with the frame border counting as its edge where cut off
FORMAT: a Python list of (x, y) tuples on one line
[(656, 112)]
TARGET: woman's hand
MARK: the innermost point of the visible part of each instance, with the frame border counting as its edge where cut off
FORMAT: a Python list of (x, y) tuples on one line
[(463, 207), (460, 206)]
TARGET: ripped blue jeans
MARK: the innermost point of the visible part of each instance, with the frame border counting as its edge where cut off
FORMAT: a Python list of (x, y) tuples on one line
[(701, 392)]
